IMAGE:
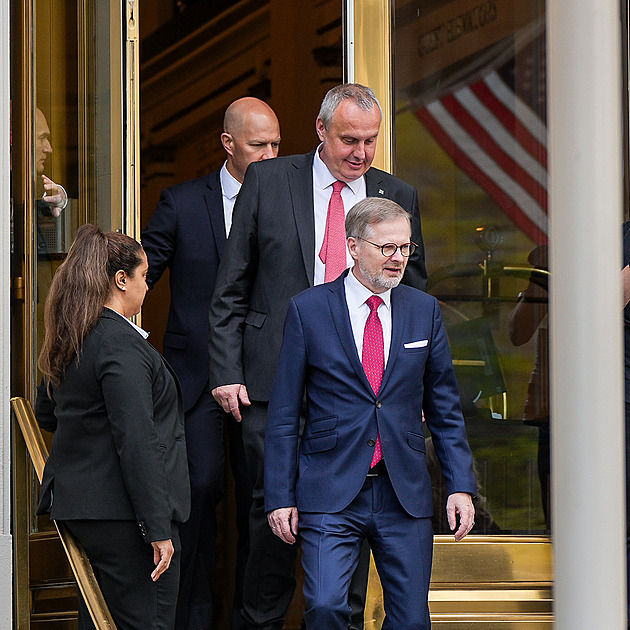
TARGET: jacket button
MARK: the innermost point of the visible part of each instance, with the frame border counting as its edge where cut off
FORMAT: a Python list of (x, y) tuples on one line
[(371, 442), (379, 404)]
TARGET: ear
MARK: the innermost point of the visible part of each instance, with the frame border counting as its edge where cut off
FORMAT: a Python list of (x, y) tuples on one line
[(120, 279), (321, 130), (227, 140), (353, 247)]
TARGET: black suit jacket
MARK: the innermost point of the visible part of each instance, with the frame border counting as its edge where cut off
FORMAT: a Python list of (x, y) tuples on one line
[(187, 234), (270, 257), (119, 451)]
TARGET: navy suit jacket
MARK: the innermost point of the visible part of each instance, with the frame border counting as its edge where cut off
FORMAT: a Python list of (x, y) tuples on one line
[(270, 257), (319, 357), (187, 234)]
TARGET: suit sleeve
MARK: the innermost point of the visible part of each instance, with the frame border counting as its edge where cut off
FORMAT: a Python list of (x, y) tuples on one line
[(443, 415), (416, 272), (158, 240), (45, 408), (235, 278), (125, 371), (283, 417)]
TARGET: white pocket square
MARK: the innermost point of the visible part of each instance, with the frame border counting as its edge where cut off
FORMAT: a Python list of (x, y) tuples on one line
[(417, 344)]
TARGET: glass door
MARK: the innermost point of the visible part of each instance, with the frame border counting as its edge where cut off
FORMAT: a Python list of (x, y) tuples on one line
[(70, 165), (464, 92)]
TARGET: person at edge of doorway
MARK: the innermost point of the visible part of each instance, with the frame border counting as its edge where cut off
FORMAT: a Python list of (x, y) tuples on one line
[(625, 274), (287, 235), (529, 317), (370, 356), (187, 234), (54, 198), (117, 474)]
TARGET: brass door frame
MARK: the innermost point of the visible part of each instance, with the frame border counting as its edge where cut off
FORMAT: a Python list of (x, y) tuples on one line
[(125, 214), (464, 585)]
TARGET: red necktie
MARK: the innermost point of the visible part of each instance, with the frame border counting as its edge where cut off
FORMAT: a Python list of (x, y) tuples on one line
[(373, 358), (333, 251)]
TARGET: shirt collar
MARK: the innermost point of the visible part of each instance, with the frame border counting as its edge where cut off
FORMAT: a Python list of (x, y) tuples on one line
[(324, 178), (144, 333), (230, 186), (357, 294)]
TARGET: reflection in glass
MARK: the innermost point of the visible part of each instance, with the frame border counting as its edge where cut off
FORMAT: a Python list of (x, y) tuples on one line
[(72, 139), (470, 129)]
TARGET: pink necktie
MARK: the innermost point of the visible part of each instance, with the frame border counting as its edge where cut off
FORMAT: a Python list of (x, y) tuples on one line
[(333, 251), (373, 358)]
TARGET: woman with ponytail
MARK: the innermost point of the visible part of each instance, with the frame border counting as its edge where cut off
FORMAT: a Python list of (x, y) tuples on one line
[(117, 474)]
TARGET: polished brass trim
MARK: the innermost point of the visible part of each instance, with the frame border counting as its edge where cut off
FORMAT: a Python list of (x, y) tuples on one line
[(86, 52), (22, 89), (469, 363), (81, 568), (373, 67), (132, 95)]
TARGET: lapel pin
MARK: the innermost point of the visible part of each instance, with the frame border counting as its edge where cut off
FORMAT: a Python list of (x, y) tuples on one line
[(381, 191)]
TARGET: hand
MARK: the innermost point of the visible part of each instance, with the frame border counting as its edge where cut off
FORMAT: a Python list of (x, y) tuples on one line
[(55, 196), (228, 396), (284, 523), (460, 503), (162, 553)]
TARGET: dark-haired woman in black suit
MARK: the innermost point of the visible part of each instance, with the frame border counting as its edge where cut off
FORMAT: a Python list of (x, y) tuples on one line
[(117, 473)]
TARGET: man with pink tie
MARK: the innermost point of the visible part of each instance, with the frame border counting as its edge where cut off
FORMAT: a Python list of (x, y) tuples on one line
[(367, 356), (288, 235)]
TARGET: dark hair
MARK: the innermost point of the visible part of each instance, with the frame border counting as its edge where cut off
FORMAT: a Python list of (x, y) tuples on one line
[(79, 291)]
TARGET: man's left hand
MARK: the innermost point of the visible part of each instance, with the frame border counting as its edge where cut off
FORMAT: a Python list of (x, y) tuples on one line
[(460, 503)]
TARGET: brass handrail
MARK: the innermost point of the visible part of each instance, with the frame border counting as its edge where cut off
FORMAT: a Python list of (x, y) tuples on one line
[(79, 563)]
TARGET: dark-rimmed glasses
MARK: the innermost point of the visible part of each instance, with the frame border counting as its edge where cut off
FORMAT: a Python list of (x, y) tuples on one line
[(389, 249)]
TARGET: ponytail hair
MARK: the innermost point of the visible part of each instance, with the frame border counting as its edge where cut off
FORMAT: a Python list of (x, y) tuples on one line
[(79, 291)]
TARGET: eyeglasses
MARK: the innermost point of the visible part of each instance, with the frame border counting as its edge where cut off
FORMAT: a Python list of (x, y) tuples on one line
[(389, 249)]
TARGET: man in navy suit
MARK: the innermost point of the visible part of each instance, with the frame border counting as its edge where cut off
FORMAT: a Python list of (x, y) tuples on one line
[(370, 355), (187, 233), (286, 221)]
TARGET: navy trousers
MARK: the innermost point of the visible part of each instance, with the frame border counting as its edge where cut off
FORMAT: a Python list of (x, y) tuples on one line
[(402, 546)]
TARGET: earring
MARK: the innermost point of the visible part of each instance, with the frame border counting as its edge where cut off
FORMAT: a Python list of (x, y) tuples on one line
[(123, 288)]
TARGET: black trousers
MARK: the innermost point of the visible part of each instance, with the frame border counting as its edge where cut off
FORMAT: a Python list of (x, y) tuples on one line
[(270, 573), (206, 425), (123, 564)]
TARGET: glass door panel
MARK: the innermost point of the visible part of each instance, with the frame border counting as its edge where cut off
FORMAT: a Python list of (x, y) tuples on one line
[(68, 169), (470, 134)]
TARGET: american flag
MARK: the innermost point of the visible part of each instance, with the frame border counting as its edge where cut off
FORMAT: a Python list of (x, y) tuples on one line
[(499, 137)]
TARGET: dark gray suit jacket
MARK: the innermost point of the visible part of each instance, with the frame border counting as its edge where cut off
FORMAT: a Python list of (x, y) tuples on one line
[(119, 451), (269, 258)]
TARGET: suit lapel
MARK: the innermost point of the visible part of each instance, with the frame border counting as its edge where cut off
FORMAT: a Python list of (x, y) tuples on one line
[(374, 186), (399, 320), (214, 205), (341, 320), (301, 190)]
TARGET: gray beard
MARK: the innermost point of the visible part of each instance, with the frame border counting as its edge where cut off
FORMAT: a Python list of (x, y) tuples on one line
[(379, 280)]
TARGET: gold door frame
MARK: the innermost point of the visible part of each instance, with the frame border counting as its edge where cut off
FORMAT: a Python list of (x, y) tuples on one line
[(125, 215), (483, 581)]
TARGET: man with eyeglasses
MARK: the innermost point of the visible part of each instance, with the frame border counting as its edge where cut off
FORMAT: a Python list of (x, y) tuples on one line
[(368, 356), (288, 235)]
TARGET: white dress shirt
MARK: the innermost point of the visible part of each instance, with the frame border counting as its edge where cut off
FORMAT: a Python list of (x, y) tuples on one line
[(144, 333), (351, 193), (230, 187), (356, 296)]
